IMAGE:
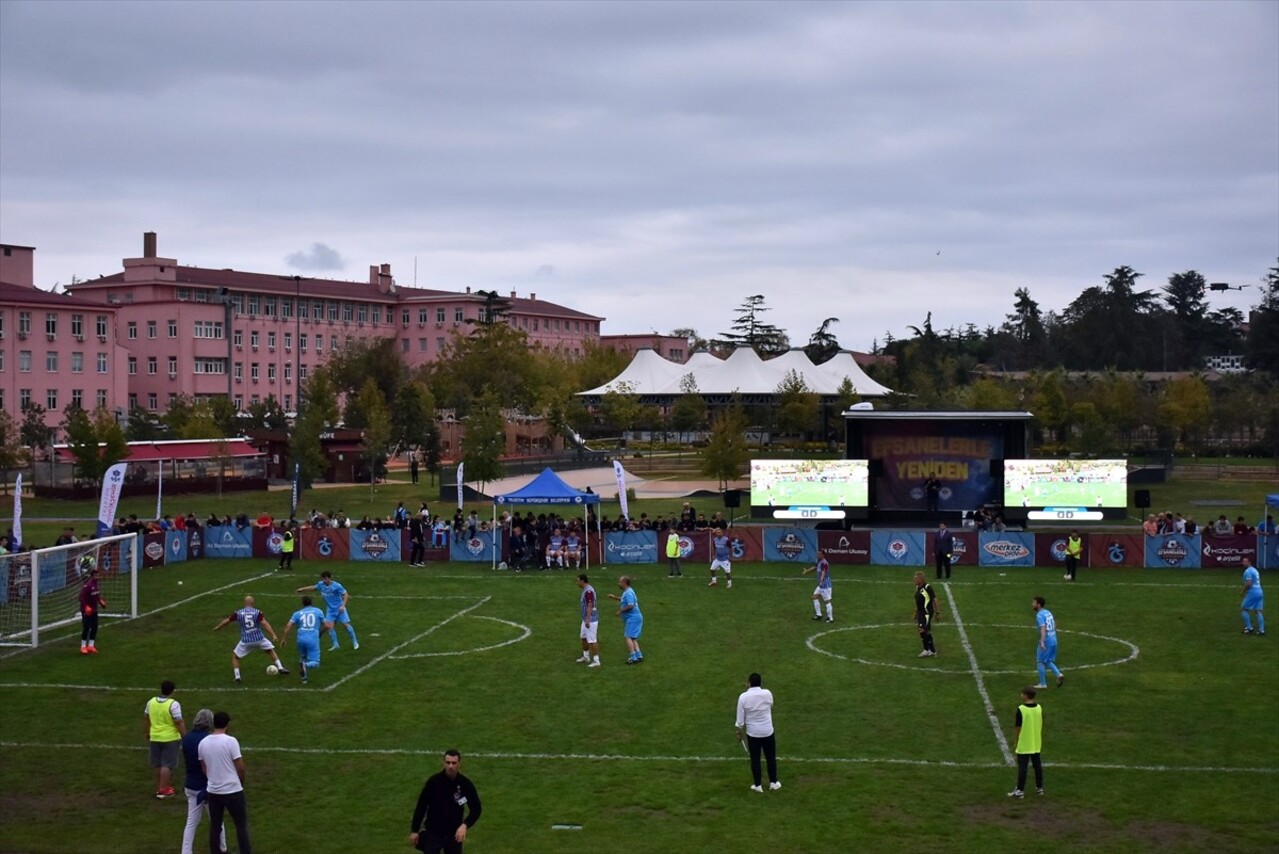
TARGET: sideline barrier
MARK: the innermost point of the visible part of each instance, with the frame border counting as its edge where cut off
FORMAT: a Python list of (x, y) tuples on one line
[(475, 549), (1050, 549), (381, 545), (228, 541), (1007, 549), (1116, 550), (1173, 551), (1230, 551), (790, 545), (845, 547), (175, 547), (899, 548)]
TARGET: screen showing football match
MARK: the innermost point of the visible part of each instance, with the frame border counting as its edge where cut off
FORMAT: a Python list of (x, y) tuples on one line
[(1066, 483), (810, 483)]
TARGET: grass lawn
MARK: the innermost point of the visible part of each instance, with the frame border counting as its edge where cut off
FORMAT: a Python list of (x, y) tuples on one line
[(1163, 738)]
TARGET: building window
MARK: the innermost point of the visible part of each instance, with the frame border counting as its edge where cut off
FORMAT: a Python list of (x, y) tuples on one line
[(153, 365), (255, 305), (439, 346), (317, 310), (535, 324), (239, 371), (102, 363), (51, 323), (254, 339), (24, 361), (301, 373), (288, 372), (77, 325), (173, 365), (102, 326), (302, 308), (51, 400), (404, 317), (153, 401), (348, 311), (237, 337), (173, 329), (377, 314), (332, 307), (237, 303), (286, 307), (288, 342), (268, 306), (24, 323), (333, 343), (77, 398), (209, 366), (51, 361), (302, 342), (421, 345), (173, 398), (205, 329), (362, 313), (253, 371), (422, 315), (133, 402), (255, 400), (270, 340), (24, 398), (239, 403), (132, 330), (102, 398), (439, 315), (153, 329), (270, 372), (133, 366), (404, 345), (288, 403)]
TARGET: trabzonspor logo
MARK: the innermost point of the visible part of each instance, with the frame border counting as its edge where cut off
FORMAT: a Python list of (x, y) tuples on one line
[(1006, 550), (324, 546), (898, 549), (1172, 552), (1116, 553), (1058, 550), (737, 548)]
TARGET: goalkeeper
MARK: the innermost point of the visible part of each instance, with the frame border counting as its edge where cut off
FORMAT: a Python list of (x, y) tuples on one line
[(91, 602)]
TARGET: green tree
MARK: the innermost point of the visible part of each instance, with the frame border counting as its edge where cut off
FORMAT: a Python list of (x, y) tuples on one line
[(267, 414), (35, 434), (1263, 328), (376, 429), (413, 418), (1122, 403), (145, 427), (495, 308), (621, 407), (1114, 325), (846, 395), (987, 394), (688, 413), (822, 344), (1049, 406), (95, 441), (726, 454), (1026, 328), (485, 439), (696, 343), (1184, 296), (749, 330), (1185, 408), (317, 413), (796, 407), (493, 357)]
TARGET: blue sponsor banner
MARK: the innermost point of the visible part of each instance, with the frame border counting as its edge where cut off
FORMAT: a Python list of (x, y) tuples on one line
[(475, 549), (54, 570), (227, 541), (126, 557), (1173, 551), (630, 547), (383, 545), (898, 548), (1268, 551), (793, 545), (175, 546), (1006, 549)]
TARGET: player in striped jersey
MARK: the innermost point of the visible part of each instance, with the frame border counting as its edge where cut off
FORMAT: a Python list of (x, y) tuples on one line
[(822, 592), (251, 622)]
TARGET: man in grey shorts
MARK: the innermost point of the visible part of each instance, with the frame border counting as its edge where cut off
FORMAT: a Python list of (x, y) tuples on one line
[(165, 729)]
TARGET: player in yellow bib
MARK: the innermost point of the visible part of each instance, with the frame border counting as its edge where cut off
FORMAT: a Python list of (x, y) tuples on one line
[(1029, 731), (165, 728)]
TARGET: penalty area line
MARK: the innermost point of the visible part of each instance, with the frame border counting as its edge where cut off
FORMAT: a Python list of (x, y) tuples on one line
[(991, 715), (621, 757)]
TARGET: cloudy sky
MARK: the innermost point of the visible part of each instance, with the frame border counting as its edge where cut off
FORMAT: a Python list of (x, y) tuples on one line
[(654, 163)]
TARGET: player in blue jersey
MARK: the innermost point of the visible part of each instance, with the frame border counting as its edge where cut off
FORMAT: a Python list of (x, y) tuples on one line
[(251, 622), (1253, 599), (573, 548), (632, 620), (309, 619), (721, 558), (555, 550), (822, 592), (1046, 652), (335, 600), (590, 623)]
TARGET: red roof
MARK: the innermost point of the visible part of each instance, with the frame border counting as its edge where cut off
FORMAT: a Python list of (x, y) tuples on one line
[(39, 296), (144, 452)]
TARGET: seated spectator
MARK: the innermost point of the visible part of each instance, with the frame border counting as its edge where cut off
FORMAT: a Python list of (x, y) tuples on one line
[(1150, 527), (518, 549), (366, 524), (1266, 525), (1178, 524), (1222, 527), (702, 524), (166, 524), (241, 520), (998, 525), (213, 521), (264, 520), (341, 520), (440, 533), (1241, 527)]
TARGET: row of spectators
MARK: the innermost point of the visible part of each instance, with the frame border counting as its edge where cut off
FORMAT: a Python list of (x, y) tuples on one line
[(1175, 523)]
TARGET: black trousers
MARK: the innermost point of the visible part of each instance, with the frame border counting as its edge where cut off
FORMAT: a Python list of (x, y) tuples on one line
[(89, 625), (943, 565), (417, 554), (235, 804), (429, 843), (1024, 759), (768, 746), (1072, 564), (674, 566), (925, 623), (286, 561)]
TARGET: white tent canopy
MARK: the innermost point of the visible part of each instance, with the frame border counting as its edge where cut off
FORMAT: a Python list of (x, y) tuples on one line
[(744, 372)]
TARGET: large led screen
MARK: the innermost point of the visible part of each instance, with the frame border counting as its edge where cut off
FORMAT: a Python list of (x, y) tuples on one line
[(1066, 483), (810, 483)]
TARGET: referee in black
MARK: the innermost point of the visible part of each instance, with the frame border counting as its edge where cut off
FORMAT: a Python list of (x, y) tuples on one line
[(445, 797)]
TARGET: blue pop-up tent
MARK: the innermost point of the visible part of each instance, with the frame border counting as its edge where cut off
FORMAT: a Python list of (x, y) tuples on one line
[(1266, 549), (549, 488)]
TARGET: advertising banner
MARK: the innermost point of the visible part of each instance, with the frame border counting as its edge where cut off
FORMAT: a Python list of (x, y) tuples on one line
[(195, 542), (325, 544), (175, 547), (898, 548), (957, 454), (1116, 550), (55, 573), (1173, 551), (473, 549), (746, 543), (227, 541), (1268, 551), (966, 550), (383, 545), (152, 549), (635, 547), (790, 545), (267, 542), (1050, 549), (1229, 551), (845, 546), (1006, 549), (112, 482)]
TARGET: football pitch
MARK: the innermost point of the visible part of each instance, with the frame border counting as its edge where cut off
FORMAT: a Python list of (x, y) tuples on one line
[(1164, 737)]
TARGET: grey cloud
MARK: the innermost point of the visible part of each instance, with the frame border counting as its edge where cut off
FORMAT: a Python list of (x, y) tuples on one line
[(319, 258)]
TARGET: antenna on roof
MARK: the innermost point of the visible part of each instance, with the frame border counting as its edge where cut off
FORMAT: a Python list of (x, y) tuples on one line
[(415, 271)]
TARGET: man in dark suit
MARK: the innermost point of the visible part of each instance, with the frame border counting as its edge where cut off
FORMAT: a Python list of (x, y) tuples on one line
[(943, 550)]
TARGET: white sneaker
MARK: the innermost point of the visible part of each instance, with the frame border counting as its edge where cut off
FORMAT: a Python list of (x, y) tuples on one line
[(924, 654), (714, 581), (1041, 686), (757, 789), (582, 659), (728, 585), (774, 786), (1016, 793), (1066, 576), (593, 664)]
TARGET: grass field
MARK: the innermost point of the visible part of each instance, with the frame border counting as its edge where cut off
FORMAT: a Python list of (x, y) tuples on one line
[(1164, 737)]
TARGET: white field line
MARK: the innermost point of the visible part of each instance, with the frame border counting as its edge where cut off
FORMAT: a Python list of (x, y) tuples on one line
[(363, 596), (977, 677), (619, 757), (228, 688), (527, 633), (462, 613), (152, 612), (968, 583)]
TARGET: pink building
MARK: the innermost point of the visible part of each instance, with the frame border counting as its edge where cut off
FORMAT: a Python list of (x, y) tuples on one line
[(55, 350), (205, 332), (671, 347)]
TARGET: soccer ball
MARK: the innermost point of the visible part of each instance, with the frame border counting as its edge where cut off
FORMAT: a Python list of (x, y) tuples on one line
[(271, 670)]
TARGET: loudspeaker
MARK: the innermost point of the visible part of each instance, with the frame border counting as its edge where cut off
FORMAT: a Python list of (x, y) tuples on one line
[(733, 498), (1142, 498)]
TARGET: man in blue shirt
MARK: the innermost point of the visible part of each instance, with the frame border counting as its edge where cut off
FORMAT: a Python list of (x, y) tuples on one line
[(632, 620), (308, 619), (335, 599), (1253, 599), (1046, 652)]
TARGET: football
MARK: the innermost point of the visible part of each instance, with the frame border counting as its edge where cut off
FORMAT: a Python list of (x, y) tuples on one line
[(271, 670)]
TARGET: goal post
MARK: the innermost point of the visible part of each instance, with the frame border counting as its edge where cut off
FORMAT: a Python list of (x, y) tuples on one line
[(40, 590)]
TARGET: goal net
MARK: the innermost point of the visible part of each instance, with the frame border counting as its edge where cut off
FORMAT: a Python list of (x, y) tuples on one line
[(40, 590)]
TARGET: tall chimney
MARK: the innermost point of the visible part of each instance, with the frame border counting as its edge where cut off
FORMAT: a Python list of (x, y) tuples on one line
[(373, 273), (148, 245), (512, 294)]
